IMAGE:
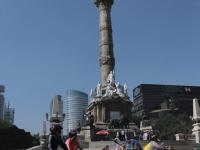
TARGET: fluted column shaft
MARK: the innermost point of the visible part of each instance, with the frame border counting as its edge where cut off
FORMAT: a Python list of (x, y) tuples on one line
[(107, 60)]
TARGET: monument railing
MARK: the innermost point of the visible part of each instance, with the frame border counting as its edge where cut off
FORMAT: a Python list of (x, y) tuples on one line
[(185, 137), (35, 148)]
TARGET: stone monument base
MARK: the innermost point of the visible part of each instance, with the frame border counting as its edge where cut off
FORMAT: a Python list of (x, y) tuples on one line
[(86, 132), (89, 133), (196, 132), (101, 125)]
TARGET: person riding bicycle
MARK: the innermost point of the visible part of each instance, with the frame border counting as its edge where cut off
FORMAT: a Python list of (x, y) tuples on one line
[(154, 144), (120, 145), (55, 138), (72, 141), (135, 144)]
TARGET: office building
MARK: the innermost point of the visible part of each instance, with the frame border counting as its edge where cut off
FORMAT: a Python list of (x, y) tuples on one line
[(77, 102), (56, 110), (9, 114), (2, 102), (147, 98)]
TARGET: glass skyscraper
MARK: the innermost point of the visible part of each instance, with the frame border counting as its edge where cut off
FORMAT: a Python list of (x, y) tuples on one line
[(56, 109), (77, 102), (56, 106)]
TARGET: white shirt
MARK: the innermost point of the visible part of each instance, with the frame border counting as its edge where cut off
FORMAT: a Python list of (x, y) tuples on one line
[(155, 146)]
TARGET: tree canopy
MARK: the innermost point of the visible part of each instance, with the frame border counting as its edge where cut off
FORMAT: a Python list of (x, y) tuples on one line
[(12, 137), (169, 125)]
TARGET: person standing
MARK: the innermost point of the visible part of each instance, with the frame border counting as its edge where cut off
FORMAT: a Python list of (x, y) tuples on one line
[(55, 139)]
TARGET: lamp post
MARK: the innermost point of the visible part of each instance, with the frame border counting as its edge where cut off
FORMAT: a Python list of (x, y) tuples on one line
[(55, 118)]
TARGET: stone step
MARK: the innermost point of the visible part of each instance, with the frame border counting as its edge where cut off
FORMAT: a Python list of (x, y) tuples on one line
[(81, 137), (84, 144), (99, 145)]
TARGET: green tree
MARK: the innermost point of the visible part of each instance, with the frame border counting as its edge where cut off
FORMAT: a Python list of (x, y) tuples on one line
[(136, 120), (36, 139), (169, 125), (12, 137)]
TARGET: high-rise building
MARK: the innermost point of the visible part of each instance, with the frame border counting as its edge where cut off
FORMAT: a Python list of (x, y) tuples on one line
[(77, 102), (151, 98), (2, 102), (56, 110), (9, 114)]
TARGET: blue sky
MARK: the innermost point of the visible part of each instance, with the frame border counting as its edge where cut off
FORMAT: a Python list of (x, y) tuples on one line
[(49, 46)]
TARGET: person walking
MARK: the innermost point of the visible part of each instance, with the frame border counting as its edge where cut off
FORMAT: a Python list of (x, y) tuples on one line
[(55, 139)]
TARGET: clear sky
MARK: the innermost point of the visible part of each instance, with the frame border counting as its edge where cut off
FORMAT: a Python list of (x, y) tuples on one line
[(49, 46)]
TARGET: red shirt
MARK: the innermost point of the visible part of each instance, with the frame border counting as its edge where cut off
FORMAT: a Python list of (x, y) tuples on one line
[(72, 144)]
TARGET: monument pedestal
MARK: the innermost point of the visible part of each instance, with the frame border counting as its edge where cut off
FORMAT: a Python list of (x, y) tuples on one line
[(196, 132), (101, 125), (108, 108), (196, 119), (86, 131)]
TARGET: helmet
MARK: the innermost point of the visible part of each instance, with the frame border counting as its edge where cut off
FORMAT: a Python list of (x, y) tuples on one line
[(154, 138), (117, 140), (72, 133)]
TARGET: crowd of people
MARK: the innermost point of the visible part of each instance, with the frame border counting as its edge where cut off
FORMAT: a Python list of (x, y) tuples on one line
[(55, 140), (123, 142)]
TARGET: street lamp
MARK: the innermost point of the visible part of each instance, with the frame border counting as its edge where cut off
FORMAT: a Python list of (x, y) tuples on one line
[(55, 118)]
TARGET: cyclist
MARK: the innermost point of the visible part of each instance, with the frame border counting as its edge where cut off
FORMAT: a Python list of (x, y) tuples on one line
[(55, 138)]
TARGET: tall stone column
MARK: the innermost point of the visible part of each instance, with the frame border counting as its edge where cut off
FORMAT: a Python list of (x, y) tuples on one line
[(107, 60)]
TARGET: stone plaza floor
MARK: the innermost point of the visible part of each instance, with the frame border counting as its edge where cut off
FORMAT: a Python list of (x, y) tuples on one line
[(99, 145)]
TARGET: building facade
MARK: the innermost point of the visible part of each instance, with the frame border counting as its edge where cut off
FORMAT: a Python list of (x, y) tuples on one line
[(77, 102), (56, 110), (2, 102), (147, 98), (9, 114)]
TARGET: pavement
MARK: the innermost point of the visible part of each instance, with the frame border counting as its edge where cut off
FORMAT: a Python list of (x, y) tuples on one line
[(99, 145)]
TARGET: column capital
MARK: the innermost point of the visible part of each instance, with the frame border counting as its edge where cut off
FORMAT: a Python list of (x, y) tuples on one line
[(105, 2)]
